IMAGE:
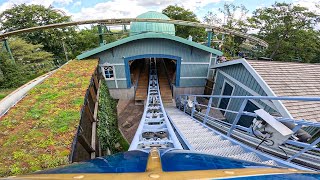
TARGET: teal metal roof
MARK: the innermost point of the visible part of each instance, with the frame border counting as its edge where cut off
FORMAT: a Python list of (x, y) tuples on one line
[(149, 35), (142, 27)]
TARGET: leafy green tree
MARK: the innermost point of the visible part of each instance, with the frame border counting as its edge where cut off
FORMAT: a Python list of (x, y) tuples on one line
[(289, 30), (30, 62), (84, 40), (179, 13), (12, 74), (234, 17), (26, 16)]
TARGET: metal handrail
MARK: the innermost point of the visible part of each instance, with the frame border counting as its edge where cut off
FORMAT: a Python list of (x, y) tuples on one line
[(299, 123)]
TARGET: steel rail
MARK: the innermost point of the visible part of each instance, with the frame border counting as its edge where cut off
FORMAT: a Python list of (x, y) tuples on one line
[(127, 21), (154, 120)]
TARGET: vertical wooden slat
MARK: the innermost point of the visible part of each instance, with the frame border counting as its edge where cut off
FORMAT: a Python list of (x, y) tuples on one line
[(94, 124), (93, 94), (96, 81), (88, 112)]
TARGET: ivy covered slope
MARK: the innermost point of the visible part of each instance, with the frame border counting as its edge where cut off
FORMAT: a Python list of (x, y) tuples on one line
[(37, 133), (108, 132)]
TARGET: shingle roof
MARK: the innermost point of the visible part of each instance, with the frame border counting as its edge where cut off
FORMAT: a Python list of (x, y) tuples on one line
[(149, 35), (293, 79)]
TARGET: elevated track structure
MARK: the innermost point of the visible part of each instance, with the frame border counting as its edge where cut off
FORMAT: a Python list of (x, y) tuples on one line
[(186, 127), (154, 129), (127, 21), (191, 126)]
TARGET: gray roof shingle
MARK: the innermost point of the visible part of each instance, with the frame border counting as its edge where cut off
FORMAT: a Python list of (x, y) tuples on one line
[(293, 79)]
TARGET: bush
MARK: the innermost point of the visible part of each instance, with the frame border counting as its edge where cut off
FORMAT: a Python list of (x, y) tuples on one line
[(11, 73), (30, 62), (108, 132)]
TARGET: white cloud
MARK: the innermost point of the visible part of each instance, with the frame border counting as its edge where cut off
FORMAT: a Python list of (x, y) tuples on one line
[(78, 3), (310, 4), (111, 9), (115, 8), (46, 3), (132, 8)]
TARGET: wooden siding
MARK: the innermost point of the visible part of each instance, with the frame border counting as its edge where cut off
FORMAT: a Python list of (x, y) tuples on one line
[(159, 46), (119, 71), (192, 82), (111, 83), (194, 70), (240, 73), (122, 83)]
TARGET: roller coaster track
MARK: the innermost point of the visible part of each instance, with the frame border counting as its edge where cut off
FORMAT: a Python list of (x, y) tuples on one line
[(154, 129), (127, 21)]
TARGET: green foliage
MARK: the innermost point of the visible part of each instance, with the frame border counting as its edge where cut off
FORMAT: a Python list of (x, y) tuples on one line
[(179, 13), (231, 20), (26, 16), (85, 39), (108, 132), (289, 30), (12, 73), (38, 132), (88, 38), (30, 62), (30, 55)]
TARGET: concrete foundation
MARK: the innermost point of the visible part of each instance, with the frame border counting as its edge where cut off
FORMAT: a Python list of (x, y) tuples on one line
[(124, 94)]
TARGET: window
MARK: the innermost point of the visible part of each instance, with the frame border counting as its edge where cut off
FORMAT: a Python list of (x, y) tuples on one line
[(244, 120), (227, 91), (108, 72)]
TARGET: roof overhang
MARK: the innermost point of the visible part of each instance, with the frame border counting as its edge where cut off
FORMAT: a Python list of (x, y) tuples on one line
[(267, 89), (148, 36)]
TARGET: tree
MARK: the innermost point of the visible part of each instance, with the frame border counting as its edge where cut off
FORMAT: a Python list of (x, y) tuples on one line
[(26, 16), (289, 30), (234, 17), (179, 13), (86, 39), (30, 61)]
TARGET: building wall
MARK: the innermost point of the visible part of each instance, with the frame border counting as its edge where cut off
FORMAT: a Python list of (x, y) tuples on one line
[(187, 90), (244, 85), (194, 64)]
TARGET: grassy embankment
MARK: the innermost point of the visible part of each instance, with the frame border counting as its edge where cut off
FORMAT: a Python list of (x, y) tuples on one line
[(37, 133)]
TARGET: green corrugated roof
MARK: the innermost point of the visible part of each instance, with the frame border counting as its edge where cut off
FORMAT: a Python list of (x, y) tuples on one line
[(142, 27), (150, 35)]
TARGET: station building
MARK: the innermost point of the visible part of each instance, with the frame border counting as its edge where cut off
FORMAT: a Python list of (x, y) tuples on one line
[(183, 64)]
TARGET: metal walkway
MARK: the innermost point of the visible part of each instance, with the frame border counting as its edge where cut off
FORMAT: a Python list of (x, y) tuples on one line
[(161, 128), (201, 138)]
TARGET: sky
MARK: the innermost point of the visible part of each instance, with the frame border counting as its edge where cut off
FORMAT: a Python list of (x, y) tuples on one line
[(95, 9)]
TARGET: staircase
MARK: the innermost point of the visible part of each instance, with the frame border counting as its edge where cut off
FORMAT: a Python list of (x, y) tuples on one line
[(204, 140), (142, 89), (165, 89)]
